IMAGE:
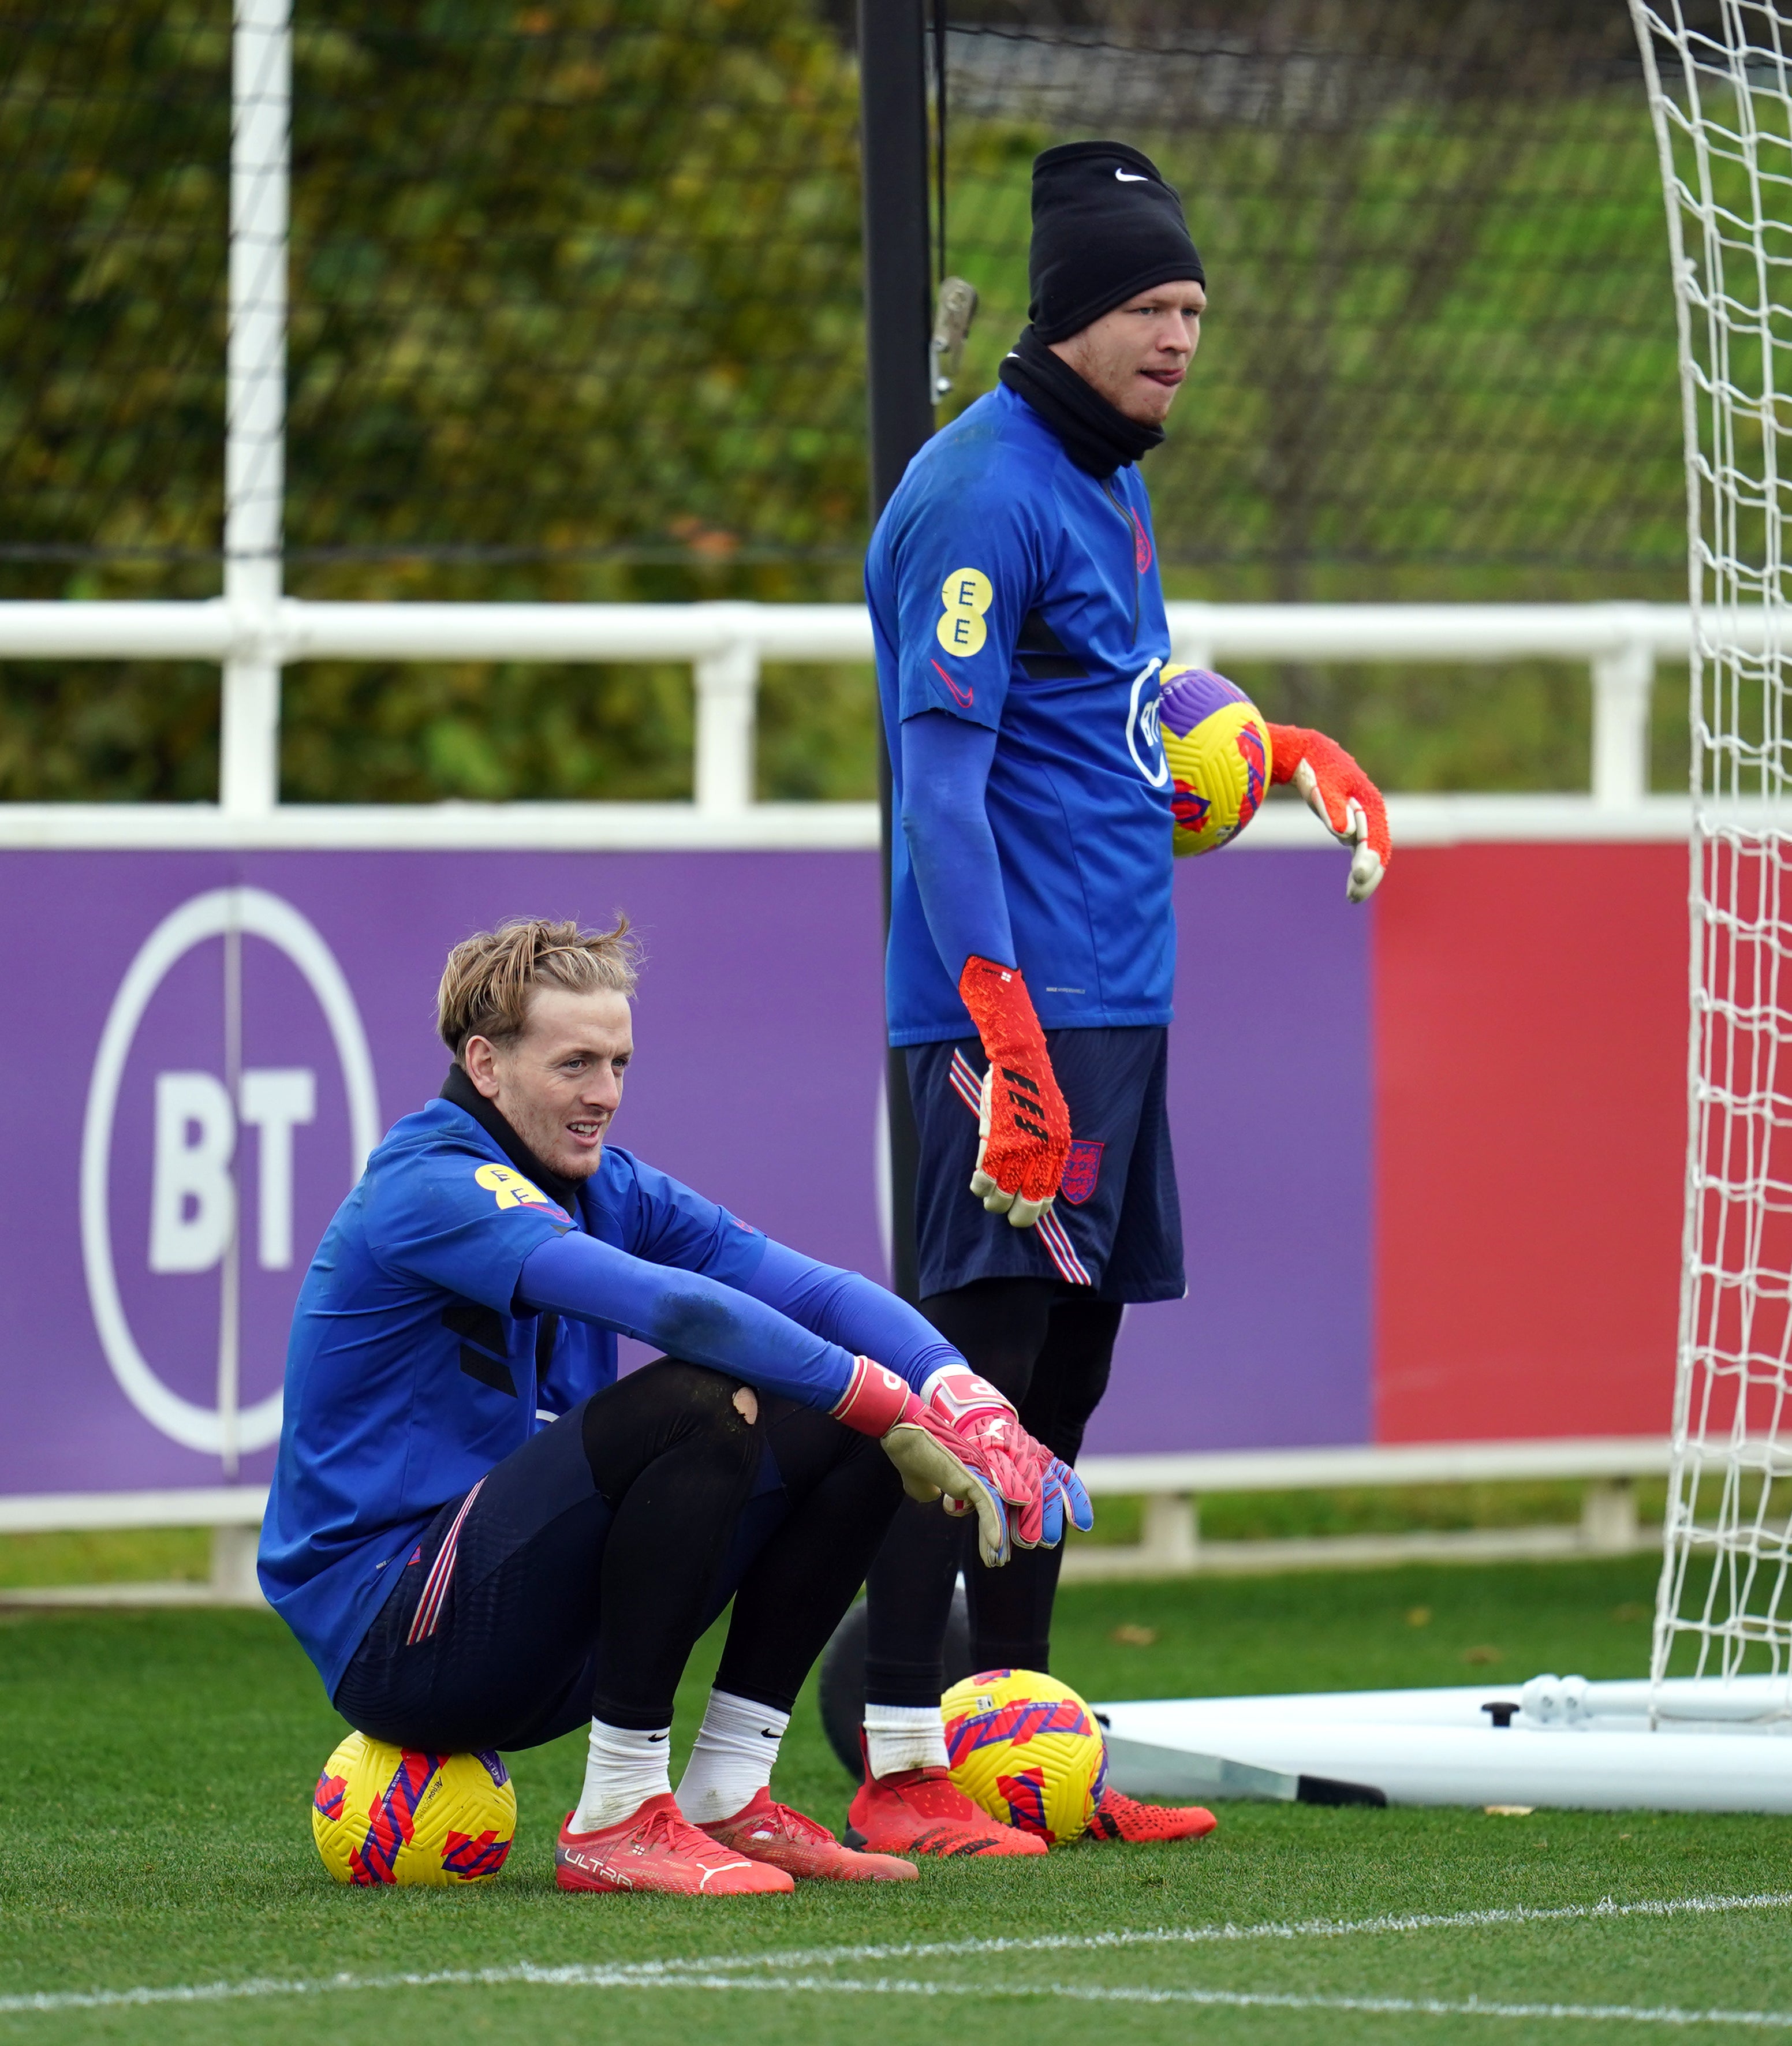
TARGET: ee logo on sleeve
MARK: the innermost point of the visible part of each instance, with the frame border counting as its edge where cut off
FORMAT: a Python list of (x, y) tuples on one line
[(967, 595), (511, 1190)]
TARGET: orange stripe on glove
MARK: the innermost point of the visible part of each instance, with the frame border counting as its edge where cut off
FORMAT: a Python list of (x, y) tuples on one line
[(1023, 1126), (1341, 796)]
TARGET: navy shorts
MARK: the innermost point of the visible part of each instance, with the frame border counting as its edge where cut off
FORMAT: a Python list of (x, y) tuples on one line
[(1116, 1226), (488, 1639)]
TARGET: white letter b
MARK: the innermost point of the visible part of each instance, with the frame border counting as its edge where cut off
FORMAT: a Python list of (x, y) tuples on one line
[(193, 1201)]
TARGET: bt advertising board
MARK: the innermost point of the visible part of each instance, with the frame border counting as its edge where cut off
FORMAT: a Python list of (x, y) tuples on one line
[(1429, 1155)]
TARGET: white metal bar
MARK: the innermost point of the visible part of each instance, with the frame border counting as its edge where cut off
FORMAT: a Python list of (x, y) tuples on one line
[(1470, 632), (235, 1580), (298, 630), (55, 1512), (255, 398), (1621, 683), (1416, 820), (727, 690), (1378, 1463), (1219, 1470), (799, 632), (255, 632), (1090, 1562), (126, 631), (450, 827)]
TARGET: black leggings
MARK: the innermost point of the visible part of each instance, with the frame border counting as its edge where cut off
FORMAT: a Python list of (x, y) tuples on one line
[(589, 1561), (1048, 1349)]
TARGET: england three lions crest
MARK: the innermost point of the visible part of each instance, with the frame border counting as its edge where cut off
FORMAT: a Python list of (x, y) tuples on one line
[(1081, 1170)]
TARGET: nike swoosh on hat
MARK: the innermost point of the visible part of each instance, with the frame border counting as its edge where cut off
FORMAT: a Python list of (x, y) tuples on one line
[(1132, 177)]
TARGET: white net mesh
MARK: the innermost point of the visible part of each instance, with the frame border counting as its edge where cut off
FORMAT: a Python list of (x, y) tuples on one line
[(1719, 79)]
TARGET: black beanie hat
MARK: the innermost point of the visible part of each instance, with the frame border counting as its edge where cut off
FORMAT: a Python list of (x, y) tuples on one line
[(1105, 227)]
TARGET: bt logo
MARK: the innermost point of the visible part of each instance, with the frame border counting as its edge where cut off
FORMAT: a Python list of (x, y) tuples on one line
[(215, 1142), (193, 1200)]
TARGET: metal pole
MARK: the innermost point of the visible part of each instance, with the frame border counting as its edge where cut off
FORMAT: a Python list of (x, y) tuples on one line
[(727, 687), (255, 398), (1622, 683), (899, 326)]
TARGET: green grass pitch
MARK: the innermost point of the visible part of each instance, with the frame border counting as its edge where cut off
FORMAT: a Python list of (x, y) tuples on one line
[(155, 1837)]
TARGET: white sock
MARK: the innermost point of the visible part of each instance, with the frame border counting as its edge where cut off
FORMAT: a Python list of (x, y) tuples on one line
[(899, 1737), (622, 1770), (731, 1763)]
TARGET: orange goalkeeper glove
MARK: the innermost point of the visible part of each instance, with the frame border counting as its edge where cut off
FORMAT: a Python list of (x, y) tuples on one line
[(1341, 796), (1023, 1126)]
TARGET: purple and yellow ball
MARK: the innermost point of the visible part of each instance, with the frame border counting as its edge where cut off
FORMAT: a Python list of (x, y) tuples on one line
[(1218, 746)]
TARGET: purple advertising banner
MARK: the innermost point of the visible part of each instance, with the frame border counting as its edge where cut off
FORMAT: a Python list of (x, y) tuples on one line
[(217, 1039)]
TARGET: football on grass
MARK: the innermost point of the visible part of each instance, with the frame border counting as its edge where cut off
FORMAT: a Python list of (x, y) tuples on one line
[(398, 1815), (1027, 1749), (1217, 747)]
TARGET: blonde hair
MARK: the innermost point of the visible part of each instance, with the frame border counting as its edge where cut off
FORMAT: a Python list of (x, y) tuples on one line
[(490, 978)]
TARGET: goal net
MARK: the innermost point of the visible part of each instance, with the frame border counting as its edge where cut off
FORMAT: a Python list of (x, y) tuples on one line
[(1721, 93)]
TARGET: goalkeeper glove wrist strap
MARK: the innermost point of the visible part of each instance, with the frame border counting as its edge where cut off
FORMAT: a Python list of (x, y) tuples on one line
[(874, 1399), (1002, 1009), (955, 1391)]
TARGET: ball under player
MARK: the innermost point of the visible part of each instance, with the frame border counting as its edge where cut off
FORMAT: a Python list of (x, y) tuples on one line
[(1019, 632), (484, 1539)]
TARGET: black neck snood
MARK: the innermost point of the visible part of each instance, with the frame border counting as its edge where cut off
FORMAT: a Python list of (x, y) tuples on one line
[(1096, 437), (458, 1089)]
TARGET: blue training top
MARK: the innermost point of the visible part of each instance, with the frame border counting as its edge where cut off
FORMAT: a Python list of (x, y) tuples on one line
[(1012, 589), (418, 1359)]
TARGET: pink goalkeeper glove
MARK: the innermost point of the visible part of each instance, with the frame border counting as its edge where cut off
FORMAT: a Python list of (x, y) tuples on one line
[(1341, 796), (932, 1458), (1037, 1488)]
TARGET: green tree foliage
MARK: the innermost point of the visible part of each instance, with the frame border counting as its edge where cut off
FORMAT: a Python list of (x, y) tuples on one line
[(576, 314)]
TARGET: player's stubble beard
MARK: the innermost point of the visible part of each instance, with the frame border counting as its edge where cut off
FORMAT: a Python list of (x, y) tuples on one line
[(542, 1129)]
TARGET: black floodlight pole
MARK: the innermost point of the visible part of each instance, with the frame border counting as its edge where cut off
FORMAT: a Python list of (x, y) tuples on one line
[(898, 325)]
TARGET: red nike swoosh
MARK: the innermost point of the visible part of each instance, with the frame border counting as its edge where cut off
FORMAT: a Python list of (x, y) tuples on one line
[(961, 695)]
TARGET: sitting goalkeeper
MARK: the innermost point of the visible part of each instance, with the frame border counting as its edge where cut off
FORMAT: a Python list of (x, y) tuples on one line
[(483, 1538)]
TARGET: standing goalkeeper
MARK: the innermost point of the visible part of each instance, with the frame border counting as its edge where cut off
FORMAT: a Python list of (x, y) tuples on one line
[(1020, 634)]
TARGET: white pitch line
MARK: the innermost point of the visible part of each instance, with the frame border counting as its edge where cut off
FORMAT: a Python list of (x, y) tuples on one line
[(722, 1971), (576, 1976), (1308, 1929)]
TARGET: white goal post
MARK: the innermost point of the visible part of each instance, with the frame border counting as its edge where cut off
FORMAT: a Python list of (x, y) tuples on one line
[(1721, 96)]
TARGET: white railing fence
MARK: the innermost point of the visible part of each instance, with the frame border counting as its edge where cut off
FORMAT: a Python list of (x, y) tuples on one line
[(1170, 1544), (254, 633)]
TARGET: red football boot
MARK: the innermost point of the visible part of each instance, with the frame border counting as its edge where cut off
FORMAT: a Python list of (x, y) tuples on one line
[(658, 1851), (1119, 1817), (775, 1835), (923, 1812)]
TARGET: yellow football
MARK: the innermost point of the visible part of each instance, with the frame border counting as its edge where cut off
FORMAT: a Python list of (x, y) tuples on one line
[(1027, 1750), (1217, 747), (398, 1815)]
